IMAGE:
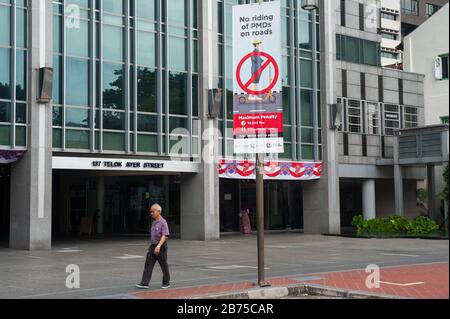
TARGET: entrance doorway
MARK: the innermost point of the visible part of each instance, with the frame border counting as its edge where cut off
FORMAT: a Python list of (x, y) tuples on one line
[(351, 202), (283, 204), (115, 204), (5, 194)]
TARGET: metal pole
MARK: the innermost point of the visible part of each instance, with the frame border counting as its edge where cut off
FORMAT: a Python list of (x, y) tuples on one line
[(260, 217)]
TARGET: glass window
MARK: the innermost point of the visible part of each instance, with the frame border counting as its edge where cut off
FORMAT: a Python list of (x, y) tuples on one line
[(306, 74), (114, 121), (21, 75), (77, 80), (113, 6), (177, 54), (147, 143), (5, 30), (21, 136), (5, 112), (445, 67), (177, 93), (113, 141), (57, 138), (352, 50), (307, 152), (78, 39), (57, 116), (5, 135), (147, 123), (113, 86), (305, 35), (388, 16), (77, 139), (146, 90), (145, 9), (307, 112), (57, 85), (146, 47), (5, 74), (113, 43), (286, 105), (431, 9), (371, 54), (57, 34), (410, 7), (21, 113), (21, 23), (77, 117), (177, 12)]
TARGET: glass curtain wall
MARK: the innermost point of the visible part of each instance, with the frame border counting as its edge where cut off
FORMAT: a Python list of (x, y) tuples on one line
[(126, 76), (13, 74), (301, 79)]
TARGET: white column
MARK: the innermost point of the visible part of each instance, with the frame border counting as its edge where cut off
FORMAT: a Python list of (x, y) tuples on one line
[(369, 203), (398, 180)]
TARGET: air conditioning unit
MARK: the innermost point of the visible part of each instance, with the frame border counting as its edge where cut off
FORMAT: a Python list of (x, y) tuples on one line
[(438, 68)]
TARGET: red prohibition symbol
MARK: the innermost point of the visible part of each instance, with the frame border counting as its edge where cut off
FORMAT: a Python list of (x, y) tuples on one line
[(270, 61)]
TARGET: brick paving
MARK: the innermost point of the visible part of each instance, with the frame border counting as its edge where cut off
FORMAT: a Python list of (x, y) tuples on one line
[(417, 282)]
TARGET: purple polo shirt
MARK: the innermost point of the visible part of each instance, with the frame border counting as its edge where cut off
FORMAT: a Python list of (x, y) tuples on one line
[(159, 229)]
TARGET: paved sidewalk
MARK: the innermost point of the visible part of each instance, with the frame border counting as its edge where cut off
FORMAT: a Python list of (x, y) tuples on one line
[(110, 267), (417, 282)]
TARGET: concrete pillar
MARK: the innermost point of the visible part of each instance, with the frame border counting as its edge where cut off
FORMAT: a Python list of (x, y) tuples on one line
[(431, 191), (200, 219), (100, 204), (369, 199), (31, 177), (321, 204), (398, 181)]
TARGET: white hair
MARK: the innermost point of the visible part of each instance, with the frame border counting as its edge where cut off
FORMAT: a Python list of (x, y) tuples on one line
[(157, 206)]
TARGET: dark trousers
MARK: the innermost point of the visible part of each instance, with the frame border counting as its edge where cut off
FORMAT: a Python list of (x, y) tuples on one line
[(150, 264)]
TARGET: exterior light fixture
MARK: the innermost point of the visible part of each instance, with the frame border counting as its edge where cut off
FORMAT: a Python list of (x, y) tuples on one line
[(336, 116), (45, 85), (310, 5), (214, 103)]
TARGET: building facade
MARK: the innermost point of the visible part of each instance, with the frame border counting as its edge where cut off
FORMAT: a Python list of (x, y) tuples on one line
[(416, 12), (129, 124), (376, 101), (425, 55), (391, 36)]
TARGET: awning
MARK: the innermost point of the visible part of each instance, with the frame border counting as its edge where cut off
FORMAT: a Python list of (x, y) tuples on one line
[(273, 170), (9, 156)]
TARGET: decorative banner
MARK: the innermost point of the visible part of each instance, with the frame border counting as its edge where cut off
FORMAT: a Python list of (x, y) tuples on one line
[(240, 169), (7, 157), (257, 85)]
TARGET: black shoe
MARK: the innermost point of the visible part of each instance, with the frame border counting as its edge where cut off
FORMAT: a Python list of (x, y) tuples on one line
[(142, 286), (165, 286)]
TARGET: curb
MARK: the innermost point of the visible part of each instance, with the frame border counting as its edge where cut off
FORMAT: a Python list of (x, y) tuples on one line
[(388, 237), (298, 291)]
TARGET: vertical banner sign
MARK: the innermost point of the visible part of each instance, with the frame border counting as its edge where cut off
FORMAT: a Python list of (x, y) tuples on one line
[(257, 81)]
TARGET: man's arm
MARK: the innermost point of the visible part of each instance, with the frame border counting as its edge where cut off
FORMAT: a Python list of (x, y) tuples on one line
[(161, 242)]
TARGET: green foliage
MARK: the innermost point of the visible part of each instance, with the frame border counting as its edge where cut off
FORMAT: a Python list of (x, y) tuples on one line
[(423, 225), (445, 193), (395, 225)]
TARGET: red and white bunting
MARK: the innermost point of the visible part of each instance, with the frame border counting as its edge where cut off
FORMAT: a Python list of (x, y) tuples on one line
[(241, 169)]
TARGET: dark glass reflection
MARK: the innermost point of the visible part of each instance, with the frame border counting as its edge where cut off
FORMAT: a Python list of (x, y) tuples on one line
[(5, 80), (113, 86), (146, 90), (21, 71), (177, 93), (114, 121)]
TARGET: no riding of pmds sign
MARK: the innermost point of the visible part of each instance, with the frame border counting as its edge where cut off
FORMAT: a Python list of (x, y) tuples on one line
[(257, 85)]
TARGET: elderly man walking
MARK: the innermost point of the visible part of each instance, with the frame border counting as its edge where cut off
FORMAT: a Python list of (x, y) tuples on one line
[(159, 234)]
